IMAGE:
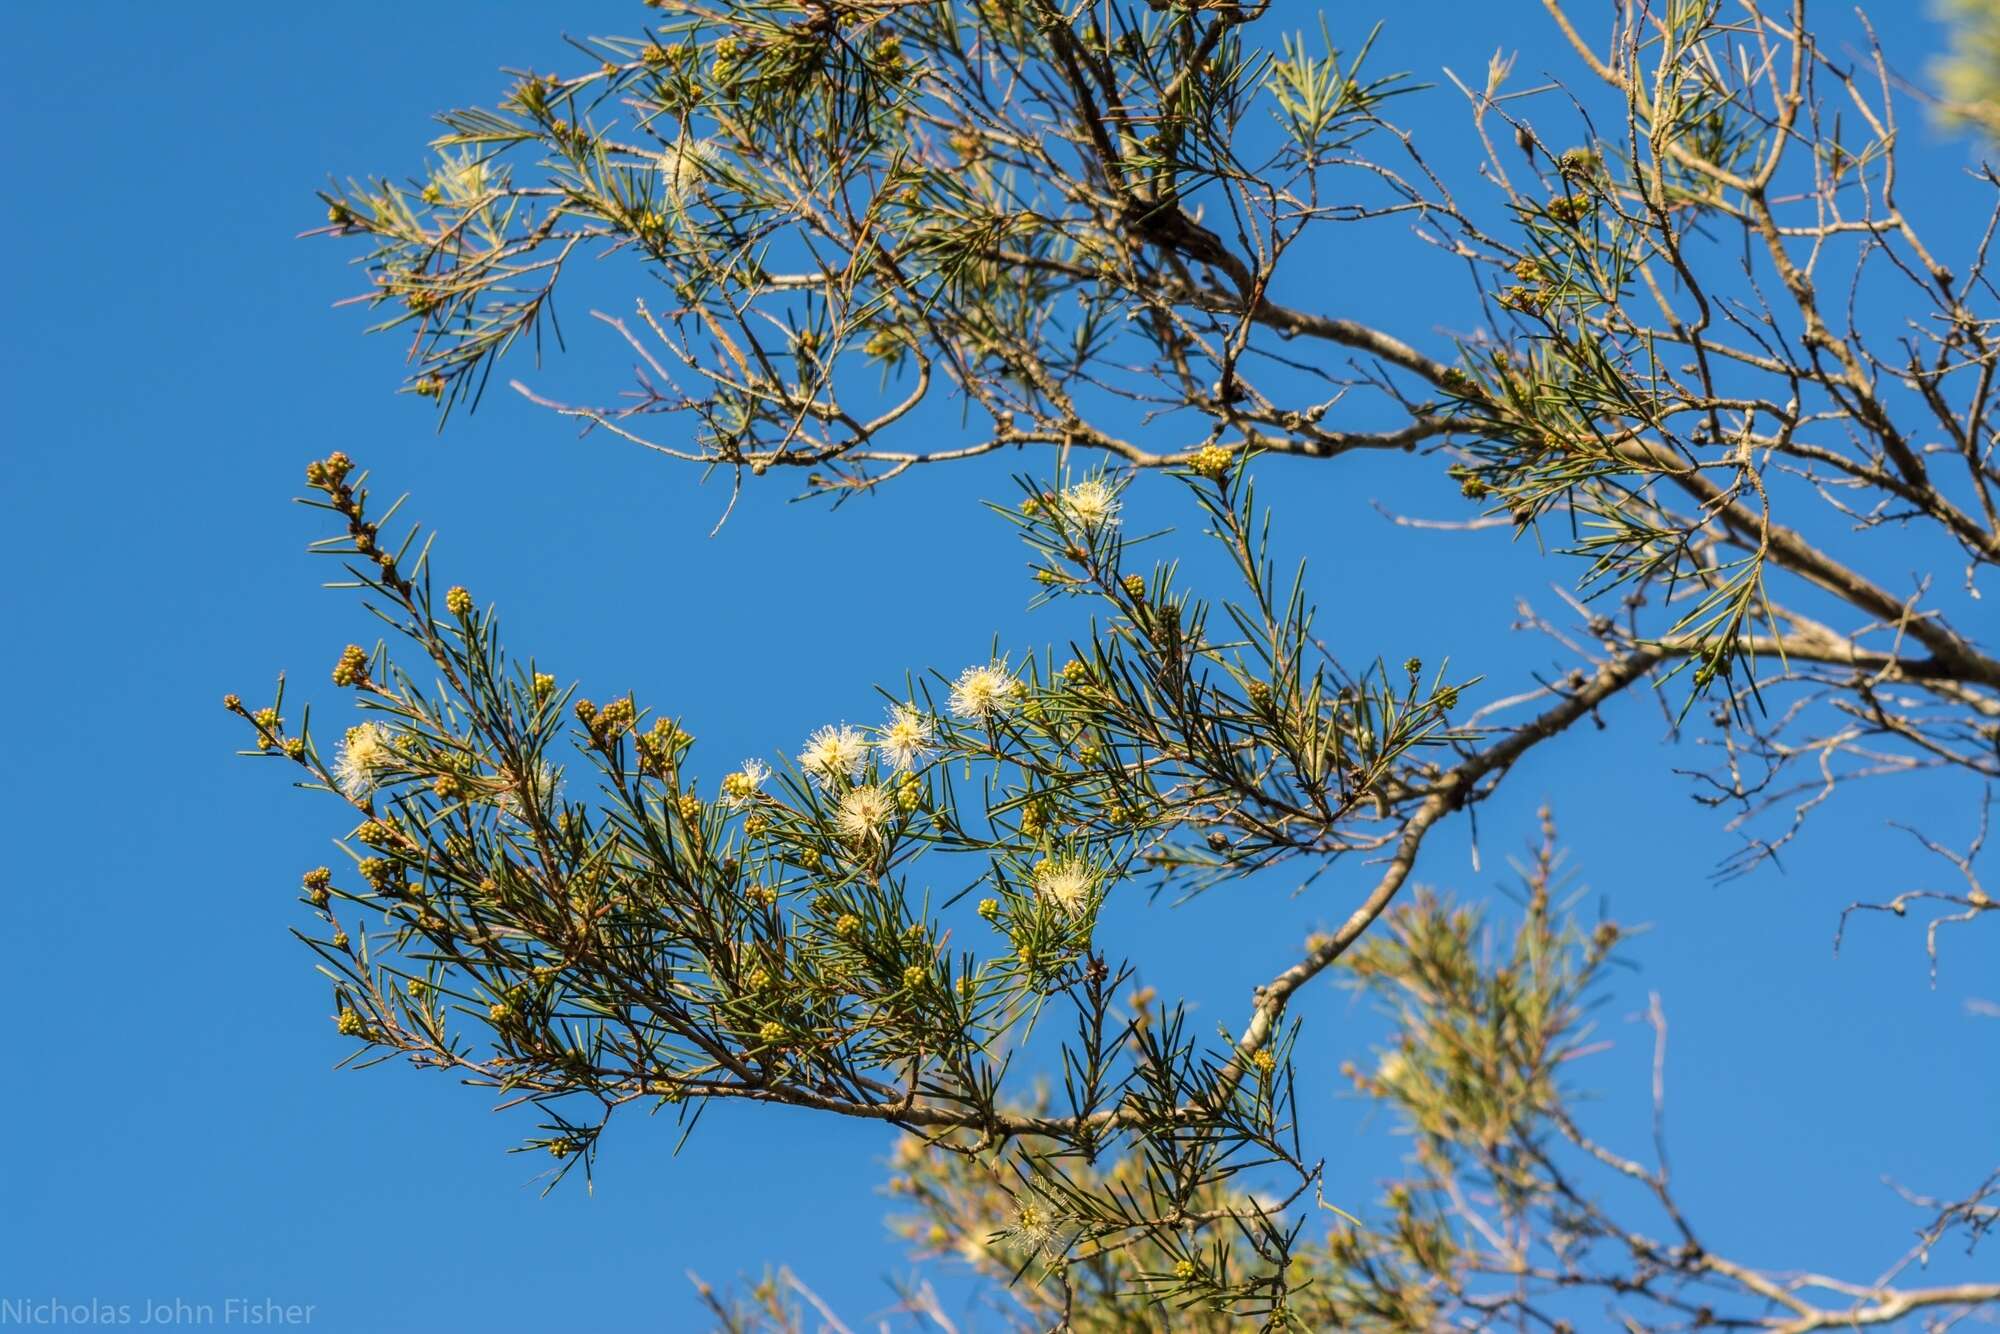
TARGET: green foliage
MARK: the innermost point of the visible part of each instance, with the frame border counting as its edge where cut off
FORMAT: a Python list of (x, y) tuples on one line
[(661, 947), (1079, 228)]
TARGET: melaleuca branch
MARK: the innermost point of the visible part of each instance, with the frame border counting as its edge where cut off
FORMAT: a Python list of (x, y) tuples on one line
[(1060, 221), (1107, 230), (1494, 1216)]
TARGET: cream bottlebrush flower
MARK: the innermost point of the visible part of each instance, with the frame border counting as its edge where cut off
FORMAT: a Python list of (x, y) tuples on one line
[(1066, 884), (684, 166), (518, 793), (367, 752), (1091, 506), (982, 694), (738, 788), (906, 740), (1038, 1228), (863, 813), (834, 753)]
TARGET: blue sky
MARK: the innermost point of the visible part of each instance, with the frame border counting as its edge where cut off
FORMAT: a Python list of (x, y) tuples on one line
[(172, 361)]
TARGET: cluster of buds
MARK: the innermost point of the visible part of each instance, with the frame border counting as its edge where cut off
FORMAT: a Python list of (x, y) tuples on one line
[(531, 96), (330, 473), (330, 476), (1571, 209), (1210, 461), (270, 728), (725, 53), (609, 723), (1526, 300), (661, 747), (1472, 485), (888, 57), (352, 668)]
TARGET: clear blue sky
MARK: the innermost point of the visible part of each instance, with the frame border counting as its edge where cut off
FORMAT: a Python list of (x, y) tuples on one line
[(174, 1125)]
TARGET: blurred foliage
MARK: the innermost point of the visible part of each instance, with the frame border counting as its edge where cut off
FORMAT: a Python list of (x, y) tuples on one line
[(1969, 74)]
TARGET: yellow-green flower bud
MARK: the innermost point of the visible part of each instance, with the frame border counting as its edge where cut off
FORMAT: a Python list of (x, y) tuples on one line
[(1210, 461), (352, 669)]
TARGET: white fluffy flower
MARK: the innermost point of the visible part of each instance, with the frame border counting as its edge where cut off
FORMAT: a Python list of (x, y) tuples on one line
[(1090, 505), (684, 166), (738, 788), (1066, 884), (905, 741), (1039, 1228), (366, 754), (833, 753), (982, 694), (863, 813)]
